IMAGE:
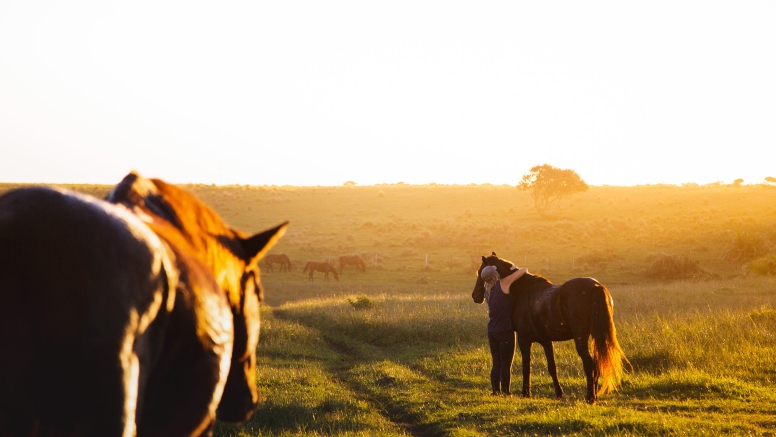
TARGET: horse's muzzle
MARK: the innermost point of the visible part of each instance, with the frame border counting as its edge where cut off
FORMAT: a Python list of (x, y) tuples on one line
[(238, 409), (241, 396)]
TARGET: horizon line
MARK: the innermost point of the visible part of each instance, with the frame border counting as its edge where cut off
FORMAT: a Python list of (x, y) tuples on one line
[(350, 184)]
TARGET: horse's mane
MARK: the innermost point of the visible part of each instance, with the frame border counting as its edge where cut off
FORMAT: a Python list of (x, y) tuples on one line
[(198, 216), (177, 206), (535, 279), (527, 278), (188, 224)]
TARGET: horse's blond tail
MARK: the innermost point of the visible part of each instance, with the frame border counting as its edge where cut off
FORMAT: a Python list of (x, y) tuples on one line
[(607, 353)]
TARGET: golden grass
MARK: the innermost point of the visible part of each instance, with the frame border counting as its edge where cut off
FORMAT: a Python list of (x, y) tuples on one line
[(401, 350)]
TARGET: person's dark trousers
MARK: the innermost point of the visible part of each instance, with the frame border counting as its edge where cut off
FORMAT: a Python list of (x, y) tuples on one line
[(502, 349)]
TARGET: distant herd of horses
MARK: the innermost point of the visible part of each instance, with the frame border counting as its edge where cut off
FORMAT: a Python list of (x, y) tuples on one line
[(325, 267), (138, 314)]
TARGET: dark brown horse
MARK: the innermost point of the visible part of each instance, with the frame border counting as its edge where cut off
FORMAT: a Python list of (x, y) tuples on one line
[(278, 258), (354, 260), (321, 267), (576, 310), (138, 315)]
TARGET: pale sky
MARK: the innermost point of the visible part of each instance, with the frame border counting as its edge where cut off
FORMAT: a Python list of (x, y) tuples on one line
[(322, 92)]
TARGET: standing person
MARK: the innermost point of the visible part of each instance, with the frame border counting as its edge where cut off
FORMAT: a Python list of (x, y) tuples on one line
[(501, 333)]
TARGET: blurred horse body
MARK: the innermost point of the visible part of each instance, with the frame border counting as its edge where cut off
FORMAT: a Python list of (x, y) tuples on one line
[(278, 258), (353, 260), (326, 268), (138, 315)]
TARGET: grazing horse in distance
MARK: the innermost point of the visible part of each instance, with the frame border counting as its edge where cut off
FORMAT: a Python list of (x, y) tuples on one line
[(275, 258), (321, 267), (578, 309), (354, 260), (136, 315)]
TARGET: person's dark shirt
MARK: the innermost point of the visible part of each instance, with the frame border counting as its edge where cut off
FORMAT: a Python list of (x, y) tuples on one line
[(499, 309)]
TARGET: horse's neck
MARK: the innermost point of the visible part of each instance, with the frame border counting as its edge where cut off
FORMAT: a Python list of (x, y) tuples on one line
[(530, 282)]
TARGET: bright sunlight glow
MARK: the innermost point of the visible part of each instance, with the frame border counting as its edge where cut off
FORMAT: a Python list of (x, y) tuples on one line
[(319, 93)]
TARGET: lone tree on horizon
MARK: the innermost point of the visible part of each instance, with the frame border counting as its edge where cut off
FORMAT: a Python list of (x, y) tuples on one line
[(548, 185)]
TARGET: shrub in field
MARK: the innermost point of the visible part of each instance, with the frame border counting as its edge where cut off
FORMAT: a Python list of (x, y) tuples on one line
[(763, 316), (362, 303), (598, 257), (764, 266), (674, 266), (409, 252), (745, 246)]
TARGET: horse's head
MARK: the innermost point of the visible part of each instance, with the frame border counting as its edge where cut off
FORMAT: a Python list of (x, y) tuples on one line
[(336, 275), (228, 255), (503, 267)]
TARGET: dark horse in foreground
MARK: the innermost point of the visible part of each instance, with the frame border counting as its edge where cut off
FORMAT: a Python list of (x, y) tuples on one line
[(354, 260), (137, 315), (321, 267), (578, 309), (278, 258)]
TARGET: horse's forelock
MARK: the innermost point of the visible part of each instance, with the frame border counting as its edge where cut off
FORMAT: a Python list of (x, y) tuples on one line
[(193, 215)]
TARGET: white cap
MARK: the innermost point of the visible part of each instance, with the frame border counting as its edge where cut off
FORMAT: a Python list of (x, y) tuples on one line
[(488, 273)]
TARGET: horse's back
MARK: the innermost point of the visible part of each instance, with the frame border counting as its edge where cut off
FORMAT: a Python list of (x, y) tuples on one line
[(77, 278), (575, 297), (537, 316), (556, 312)]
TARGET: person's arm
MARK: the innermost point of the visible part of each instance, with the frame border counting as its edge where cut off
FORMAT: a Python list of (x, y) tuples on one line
[(507, 282)]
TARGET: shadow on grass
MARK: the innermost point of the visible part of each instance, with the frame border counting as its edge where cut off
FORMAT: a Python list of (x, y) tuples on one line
[(577, 426), (655, 362), (331, 417)]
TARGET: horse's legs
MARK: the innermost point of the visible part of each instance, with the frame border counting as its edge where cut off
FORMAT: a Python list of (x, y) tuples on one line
[(525, 353), (589, 366), (310, 276), (549, 352)]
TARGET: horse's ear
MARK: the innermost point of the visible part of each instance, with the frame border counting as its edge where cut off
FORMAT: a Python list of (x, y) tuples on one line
[(494, 254), (258, 245), (484, 260)]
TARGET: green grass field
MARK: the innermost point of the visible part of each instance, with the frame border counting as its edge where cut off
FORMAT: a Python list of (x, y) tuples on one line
[(417, 363), (401, 349)]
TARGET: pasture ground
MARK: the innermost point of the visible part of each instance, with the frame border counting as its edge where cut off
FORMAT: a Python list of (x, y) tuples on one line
[(401, 349)]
